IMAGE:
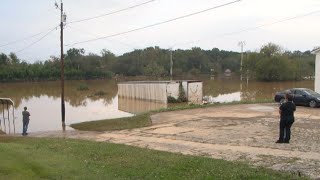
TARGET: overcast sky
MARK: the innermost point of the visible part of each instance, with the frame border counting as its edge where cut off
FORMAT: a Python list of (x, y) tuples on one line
[(219, 28)]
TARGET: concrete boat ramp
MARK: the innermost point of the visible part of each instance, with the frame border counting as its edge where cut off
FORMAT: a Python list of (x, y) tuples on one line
[(244, 132)]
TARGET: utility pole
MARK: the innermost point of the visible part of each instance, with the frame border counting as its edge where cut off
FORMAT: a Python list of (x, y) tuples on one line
[(62, 23), (171, 64), (241, 44)]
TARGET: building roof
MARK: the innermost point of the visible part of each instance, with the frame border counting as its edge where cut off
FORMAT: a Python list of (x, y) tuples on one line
[(316, 50), (6, 101)]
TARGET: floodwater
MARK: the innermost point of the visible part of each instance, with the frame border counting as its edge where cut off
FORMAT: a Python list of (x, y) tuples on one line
[(43, 100)]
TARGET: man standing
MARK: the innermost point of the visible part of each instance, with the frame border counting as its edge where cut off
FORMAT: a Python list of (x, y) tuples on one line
[(25, 120), (286, 111)]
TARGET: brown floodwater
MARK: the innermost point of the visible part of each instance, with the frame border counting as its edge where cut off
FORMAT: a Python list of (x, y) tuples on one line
[(43, 100)]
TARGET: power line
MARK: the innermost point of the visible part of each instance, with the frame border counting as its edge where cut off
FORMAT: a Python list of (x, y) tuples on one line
[(110, 13), (37, 40), (96, 36), (157, 24), (23, 39), (256, 27), (269, 24)]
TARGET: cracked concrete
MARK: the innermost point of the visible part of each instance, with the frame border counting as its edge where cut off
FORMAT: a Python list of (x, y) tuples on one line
[(233, 132)]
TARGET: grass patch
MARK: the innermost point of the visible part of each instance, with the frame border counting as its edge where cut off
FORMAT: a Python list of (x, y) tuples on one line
[(144, 120), (28, 158), (140, 120), (196, 106)]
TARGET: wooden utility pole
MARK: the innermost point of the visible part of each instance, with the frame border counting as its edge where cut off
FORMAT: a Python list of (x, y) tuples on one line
[(241, 44), (171, 64), (62, 22)]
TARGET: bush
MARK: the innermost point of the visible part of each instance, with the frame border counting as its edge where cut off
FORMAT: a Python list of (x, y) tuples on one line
[(100, 93), (172, 100), (182, 95)]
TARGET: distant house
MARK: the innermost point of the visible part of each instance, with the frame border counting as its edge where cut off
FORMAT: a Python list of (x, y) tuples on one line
[(317, 70), (227, 73)]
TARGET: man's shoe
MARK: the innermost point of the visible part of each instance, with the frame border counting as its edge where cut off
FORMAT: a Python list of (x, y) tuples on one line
[(279, 141), (286, 142)]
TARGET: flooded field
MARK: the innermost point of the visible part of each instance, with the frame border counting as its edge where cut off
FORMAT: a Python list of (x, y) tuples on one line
[(43, 100)]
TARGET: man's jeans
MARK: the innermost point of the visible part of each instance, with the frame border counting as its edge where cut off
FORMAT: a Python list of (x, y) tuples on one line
[(25, 127), (285, 130)]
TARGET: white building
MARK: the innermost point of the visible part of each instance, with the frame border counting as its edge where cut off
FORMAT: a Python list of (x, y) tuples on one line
[(317, 70)]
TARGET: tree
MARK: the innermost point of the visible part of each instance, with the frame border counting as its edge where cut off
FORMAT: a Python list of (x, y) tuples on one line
[(275, 69), (4, 59), (271, 49), (13, 58)]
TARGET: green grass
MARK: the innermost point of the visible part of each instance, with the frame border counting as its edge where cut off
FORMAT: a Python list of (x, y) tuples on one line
[(28, 158), (144, 119), (140, 120)]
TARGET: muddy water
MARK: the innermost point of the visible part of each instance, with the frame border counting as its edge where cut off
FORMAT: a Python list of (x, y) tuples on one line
[(43, 100)]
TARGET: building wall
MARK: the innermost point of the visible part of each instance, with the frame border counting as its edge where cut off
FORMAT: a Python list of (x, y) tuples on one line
[(195, 92), (317, 73), (144, 91), (185, 87), (173, 90)]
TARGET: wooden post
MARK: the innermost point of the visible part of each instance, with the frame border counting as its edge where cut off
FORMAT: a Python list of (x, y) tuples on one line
[(62, 69)]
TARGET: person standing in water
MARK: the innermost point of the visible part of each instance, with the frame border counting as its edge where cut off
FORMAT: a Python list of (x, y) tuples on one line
[(25, 121)]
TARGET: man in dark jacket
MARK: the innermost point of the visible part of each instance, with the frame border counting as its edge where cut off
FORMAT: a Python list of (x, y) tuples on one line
[(286, 111), (25, 121)]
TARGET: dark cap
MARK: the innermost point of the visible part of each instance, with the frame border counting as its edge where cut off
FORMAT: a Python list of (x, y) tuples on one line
[(25, 108)]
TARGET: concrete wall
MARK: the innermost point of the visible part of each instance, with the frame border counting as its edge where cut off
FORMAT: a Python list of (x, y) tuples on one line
[(159, 92), (317, 73), (185, 87), (173, 90), (195, 92)]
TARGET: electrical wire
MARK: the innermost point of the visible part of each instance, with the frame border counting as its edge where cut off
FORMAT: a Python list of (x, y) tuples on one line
[(159, 23), (96, 36), (33, 43), (269, 24), (253, 28), (110, 13), (23, 39)]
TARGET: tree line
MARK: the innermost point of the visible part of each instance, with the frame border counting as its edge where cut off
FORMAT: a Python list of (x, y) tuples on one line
[(271, 63)]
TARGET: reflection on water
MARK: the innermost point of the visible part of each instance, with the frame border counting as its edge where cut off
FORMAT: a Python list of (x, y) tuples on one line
[(224, 90), (45, 112), (230, 97), (43, 99), (136, 106), (43, 102)]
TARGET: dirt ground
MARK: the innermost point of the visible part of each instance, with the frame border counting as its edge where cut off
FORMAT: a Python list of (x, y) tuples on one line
[(231, 132)]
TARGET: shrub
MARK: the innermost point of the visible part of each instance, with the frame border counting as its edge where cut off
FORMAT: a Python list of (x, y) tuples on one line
[(100, 93), (172, 100), (182, 95)]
